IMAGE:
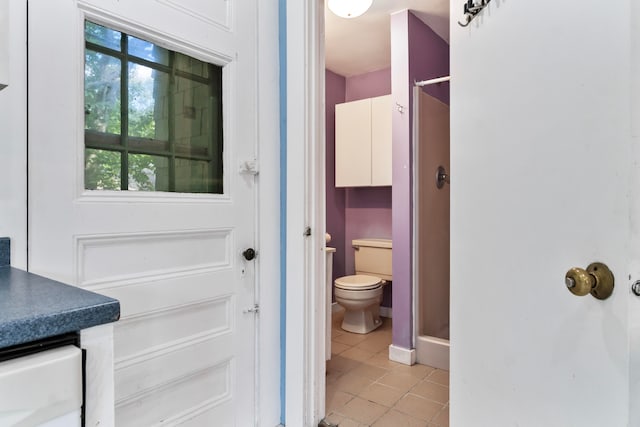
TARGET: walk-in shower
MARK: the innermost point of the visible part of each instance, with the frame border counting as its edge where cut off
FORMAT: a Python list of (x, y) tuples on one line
[(431, 228)]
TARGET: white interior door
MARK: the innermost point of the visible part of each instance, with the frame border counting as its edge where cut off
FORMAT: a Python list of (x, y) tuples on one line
[(184, 348), (543, 160)]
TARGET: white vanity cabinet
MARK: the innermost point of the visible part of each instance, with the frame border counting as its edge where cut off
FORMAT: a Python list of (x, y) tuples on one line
[(363, 143)]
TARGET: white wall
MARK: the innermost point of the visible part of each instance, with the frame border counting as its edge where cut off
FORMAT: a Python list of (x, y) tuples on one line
[(13, 138), (541, 166), (4, 45), (634, 248)]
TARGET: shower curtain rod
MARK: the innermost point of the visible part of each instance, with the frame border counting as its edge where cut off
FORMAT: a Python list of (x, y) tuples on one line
[(433, 81)]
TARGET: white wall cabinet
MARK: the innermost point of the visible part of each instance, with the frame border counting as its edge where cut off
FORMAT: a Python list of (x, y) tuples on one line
[(363, 143)]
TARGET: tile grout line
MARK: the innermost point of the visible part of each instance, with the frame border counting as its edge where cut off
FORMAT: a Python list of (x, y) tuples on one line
[(352, 365)]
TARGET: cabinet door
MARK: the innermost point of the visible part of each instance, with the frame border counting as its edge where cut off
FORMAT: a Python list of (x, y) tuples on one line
[(353, 144), (381, 147)]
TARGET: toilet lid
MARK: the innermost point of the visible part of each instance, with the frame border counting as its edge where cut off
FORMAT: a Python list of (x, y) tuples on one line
[(358, 282)]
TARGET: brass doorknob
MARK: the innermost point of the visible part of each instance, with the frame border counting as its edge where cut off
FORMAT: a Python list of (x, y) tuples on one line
[(596, 280)]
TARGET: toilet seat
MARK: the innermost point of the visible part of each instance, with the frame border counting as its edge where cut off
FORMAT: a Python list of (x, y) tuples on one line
[(358, 282)]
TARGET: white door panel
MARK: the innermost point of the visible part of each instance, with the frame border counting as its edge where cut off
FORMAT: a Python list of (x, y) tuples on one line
[(184, 349), (165, 253), (540, 147)]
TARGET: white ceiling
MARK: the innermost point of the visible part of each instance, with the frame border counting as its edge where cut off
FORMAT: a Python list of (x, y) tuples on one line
[(360, 45)]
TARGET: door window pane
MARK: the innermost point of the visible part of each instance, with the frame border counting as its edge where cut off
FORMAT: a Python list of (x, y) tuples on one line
[(102, 92), (146, 50), (148, 173), (193, 124), (191, 65), (102, 36), (148, 103), (194, 176), (153, 119), (102, 169)]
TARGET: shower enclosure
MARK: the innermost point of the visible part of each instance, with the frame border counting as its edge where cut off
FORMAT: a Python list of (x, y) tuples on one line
[(431, 230)]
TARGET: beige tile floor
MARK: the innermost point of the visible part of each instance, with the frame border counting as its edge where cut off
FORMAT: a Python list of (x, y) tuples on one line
[(365, 388)]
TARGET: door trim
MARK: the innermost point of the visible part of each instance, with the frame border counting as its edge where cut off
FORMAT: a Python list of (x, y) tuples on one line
[(267, 294), (305, 207)]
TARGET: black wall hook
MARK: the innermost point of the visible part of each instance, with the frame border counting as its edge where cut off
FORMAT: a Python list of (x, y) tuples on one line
[(471, 9)]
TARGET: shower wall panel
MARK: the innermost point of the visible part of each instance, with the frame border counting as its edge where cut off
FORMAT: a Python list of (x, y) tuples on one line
[(433, 218)]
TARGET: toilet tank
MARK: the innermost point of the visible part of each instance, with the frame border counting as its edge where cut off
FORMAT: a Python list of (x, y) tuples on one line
[(373, 257)]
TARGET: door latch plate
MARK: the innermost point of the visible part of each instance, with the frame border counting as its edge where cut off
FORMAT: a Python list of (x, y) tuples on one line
[(255, 309)]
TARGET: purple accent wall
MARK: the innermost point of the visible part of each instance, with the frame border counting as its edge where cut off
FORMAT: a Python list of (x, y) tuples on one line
[(375, 83), (335, 197), (368, 215), (417, 53)]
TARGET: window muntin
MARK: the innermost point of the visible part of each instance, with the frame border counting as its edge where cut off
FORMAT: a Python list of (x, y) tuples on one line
[(153, 117)]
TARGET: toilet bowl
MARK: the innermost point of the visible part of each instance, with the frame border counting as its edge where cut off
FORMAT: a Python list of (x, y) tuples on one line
[(361, 294)]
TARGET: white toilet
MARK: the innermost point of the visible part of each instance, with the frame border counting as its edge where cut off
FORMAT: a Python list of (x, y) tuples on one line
[(361, 294)]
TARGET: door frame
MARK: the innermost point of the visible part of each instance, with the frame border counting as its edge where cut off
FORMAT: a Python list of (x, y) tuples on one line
[(305, 23), (305, 210), (267, 219)]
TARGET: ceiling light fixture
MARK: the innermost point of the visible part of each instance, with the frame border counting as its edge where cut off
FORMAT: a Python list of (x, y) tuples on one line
[(349, 8)]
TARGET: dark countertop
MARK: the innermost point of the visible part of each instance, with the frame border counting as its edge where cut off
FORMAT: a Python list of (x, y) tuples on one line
[(33, 307)]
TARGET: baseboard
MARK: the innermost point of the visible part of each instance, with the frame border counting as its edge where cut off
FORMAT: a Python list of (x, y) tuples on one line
[(433, 352), (406, 356), (386, 312)]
